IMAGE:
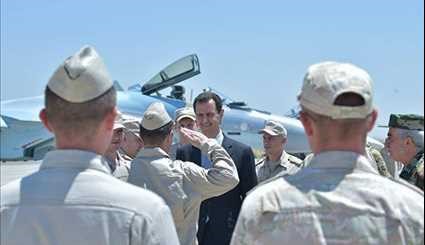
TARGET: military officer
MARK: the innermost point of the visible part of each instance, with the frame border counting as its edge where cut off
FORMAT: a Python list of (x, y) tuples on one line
[(73, 198), (183, 185), (405, 143), (276, 159), (120, 167), (339, 198), (132, 142), (185, 118)]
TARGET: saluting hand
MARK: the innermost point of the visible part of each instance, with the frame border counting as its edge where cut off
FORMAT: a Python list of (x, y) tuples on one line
[(195, 138)]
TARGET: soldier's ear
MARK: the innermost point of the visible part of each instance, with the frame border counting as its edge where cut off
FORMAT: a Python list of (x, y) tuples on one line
[(43, 117), (110, 119), (307, 123), (409, 142), (371, 119)]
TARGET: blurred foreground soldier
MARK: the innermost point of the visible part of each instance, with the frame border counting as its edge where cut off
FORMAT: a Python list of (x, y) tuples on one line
[(276, 160), (339, 198), (185, 118), (405, 143), (73, 199), (183, 185), (119, 166), (132, 142)]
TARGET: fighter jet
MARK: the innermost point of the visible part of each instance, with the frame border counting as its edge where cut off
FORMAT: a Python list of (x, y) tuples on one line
[(24, 137)]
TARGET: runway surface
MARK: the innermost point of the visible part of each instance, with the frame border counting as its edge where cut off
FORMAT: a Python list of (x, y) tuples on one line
[(12, 170)]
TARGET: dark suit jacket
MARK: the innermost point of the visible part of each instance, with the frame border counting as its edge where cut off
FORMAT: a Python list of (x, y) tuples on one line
[(218, 215)]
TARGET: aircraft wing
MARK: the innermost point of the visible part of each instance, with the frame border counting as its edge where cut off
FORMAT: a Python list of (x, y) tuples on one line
[(20, 126)]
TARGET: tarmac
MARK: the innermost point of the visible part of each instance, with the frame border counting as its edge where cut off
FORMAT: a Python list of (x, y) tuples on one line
[(11, 170)]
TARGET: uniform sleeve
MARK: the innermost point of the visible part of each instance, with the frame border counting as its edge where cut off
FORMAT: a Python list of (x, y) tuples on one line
[(245, 227), (217, 180), (247, 173), (158, 230)]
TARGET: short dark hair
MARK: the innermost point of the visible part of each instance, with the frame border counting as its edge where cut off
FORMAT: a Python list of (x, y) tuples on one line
[(78, 118), (207, 96), (156, 136)]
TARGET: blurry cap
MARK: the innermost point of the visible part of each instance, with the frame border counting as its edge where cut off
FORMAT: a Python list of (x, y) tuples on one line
[(274, 128), (81, 77), (155, 116), (185, 112), (325, 81), (118, 121), (132, 125), (406, 121)]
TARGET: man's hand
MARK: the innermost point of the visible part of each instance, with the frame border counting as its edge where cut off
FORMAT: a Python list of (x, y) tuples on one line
[(195, 138)]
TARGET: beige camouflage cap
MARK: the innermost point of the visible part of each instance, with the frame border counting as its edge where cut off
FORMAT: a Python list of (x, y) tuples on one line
[(133, 126), (185, 112), (274, 128), (81, 77), (406, 121), (325, 81), (155, 116)]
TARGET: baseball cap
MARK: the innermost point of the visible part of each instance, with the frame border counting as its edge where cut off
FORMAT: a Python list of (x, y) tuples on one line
[(81, 77), (155, 116), (325, 81), (274, 128), (406, 121), (185, 112)]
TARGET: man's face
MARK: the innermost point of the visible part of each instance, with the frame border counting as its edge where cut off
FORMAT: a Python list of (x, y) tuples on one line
[(395, 144), (116, 140), (208, 119), (186, 123), (131, 144), (273, 144)]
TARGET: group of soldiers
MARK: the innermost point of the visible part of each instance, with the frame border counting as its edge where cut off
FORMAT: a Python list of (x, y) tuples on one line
[(114, 179)]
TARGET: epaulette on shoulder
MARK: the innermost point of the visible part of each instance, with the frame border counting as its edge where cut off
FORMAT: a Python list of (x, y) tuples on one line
[(295, 160), (262, 159)]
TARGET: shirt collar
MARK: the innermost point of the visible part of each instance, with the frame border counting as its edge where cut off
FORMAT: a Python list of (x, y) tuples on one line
[(75, 159), (152, 152), (220, 137), (412, 163), (341, 160), (284, 158)]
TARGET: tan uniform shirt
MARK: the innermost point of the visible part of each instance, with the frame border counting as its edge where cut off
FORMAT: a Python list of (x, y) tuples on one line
[(122, 169), (338, 199), (184, 185), (286, 165), (73, 199)]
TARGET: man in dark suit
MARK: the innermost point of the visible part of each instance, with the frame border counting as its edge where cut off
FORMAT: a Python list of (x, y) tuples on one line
[(218, 215)]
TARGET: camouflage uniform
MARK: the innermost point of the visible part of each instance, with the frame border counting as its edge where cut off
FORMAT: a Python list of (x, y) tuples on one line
[(414, 171), (375, 156)]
